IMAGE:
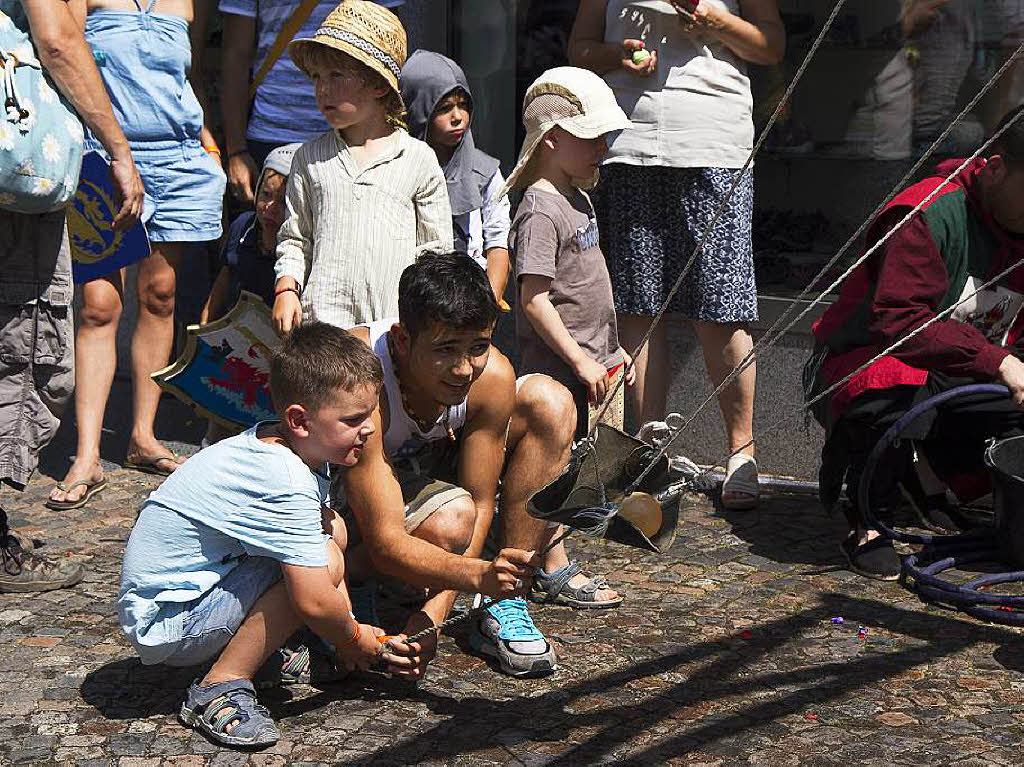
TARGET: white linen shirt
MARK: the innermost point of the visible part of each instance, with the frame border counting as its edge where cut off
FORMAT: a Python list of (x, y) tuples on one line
[(487, 226), (350, 232)]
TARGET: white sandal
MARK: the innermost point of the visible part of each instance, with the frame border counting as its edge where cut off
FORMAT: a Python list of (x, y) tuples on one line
[(741, 480)]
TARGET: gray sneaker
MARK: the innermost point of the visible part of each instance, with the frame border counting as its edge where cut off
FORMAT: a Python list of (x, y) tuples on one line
[(506, 633), (23, 570)]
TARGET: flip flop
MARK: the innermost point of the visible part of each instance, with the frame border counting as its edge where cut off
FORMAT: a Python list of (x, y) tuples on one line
[(147, 464), (92, 488)]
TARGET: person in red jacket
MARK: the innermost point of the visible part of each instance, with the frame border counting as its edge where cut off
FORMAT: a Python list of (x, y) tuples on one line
[(962, 237)]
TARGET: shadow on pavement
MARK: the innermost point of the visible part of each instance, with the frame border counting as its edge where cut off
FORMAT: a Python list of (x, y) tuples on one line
[(732, 672), (725, 673), (126, 689), (177, 426), (790, 529)]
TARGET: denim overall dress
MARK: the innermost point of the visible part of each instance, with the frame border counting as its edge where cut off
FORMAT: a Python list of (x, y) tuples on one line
[(144, 58)]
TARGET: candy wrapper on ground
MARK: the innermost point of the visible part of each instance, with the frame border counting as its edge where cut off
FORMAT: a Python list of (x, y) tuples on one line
[(224, 371)]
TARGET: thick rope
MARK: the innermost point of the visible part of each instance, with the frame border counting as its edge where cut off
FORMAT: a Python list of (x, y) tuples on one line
[(771, 337), (676, 433), (706, 235), (480, 609), (834, 387)]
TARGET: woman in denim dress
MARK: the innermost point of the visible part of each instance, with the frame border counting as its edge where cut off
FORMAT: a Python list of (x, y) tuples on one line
[(144, 56)]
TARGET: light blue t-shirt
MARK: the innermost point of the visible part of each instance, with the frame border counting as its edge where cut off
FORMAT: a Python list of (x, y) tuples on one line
[(238, 497), (284, 109)]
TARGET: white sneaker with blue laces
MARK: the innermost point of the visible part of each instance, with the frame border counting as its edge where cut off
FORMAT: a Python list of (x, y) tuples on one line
[(506, 633)]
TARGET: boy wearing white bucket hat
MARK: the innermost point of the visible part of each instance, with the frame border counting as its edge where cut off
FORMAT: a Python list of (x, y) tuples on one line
[(565, 315)]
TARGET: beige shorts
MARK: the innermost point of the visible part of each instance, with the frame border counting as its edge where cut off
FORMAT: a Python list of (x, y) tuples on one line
[(422, 494)]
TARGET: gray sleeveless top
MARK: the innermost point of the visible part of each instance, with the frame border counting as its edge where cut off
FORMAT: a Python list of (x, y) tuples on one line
[(696, 109)]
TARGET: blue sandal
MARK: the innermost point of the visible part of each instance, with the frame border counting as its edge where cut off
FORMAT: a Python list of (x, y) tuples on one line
[(212, 709), (554, 588)]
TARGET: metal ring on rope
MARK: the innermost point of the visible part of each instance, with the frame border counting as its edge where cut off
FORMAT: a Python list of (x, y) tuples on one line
[(944, 552)]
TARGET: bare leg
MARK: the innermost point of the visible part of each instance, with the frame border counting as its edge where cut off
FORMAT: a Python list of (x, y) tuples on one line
[(267, 627), (95, 365), (151, 345), (724, 346), (648, 397), (539, 439)]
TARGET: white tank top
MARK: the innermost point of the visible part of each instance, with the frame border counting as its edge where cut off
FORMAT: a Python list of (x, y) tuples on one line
[(403, 438), (696, 109)]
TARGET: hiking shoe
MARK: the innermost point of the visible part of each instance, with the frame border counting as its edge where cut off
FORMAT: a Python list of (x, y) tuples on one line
[(875, 559), (24, 571), (507, 634)]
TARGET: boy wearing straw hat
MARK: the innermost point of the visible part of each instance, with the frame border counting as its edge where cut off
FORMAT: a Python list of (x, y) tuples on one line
[(364, 199)]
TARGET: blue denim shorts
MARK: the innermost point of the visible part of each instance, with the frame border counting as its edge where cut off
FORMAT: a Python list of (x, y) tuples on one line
[(184, 190), (210, 621)]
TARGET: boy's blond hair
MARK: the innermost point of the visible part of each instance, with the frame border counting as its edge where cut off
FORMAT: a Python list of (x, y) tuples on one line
[(323, 57)]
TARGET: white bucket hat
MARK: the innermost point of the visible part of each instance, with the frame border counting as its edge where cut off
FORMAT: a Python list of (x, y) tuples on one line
[(574, 99), (278, 160)]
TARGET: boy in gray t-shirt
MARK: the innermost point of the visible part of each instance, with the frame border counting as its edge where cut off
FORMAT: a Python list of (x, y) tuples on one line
[(565, 315)]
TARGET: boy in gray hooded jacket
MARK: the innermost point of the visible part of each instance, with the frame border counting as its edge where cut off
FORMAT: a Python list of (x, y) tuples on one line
[(440, 107)]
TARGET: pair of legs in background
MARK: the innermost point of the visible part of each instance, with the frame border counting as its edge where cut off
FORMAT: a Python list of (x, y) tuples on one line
[(96, 363), (184, 193), (651, 220)]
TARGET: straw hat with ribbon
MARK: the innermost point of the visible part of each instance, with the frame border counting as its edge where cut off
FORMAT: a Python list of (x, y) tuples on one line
[(369, 33), (574, 99)]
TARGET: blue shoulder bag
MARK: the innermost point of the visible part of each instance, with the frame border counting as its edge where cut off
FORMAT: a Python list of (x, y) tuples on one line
[(40, 135)]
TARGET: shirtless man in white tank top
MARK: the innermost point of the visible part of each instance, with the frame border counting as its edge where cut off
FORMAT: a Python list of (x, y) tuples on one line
[(454, 421)]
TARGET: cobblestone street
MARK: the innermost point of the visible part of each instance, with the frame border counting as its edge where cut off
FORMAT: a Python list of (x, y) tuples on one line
[(724, 652)]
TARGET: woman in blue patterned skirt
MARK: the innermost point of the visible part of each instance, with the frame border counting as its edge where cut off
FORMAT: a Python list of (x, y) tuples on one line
[(690, 104)]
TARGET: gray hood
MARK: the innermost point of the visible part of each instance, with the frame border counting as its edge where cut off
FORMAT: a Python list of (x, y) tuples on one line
[(427, 78)]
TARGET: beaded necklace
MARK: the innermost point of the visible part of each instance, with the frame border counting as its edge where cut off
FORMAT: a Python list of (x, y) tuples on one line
[(424, 425)]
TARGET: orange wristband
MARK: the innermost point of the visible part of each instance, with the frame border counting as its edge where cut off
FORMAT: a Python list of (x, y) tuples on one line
[(355, 636), (289, 289)]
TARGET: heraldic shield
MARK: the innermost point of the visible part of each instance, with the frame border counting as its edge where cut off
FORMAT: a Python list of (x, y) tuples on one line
[(224, 372), (591, 494)]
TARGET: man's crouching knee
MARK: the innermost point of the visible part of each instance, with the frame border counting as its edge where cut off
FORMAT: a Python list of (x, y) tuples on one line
[(450, 526), (546, 409)]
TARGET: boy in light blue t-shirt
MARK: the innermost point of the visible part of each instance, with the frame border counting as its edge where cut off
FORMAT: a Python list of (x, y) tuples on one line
[(229, 556)]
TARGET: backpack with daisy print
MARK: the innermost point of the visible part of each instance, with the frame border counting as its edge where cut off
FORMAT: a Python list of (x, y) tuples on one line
[(40, 135)]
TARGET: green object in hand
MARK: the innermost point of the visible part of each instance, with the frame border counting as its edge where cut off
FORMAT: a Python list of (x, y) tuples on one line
[(640, 56)]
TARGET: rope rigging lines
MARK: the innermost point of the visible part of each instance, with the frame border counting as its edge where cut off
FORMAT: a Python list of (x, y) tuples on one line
[(774, 333), (706, 234), (899, 342)]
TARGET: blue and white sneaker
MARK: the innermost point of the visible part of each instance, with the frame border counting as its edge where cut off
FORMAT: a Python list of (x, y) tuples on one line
[(506, 633)]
